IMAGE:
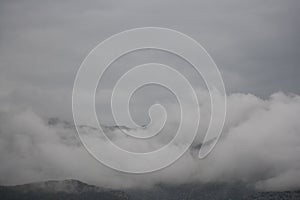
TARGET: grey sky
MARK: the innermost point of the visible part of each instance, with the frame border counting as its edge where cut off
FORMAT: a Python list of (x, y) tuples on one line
[(255, 43)]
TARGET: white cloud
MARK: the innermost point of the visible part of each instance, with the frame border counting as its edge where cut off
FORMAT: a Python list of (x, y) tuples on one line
[(260, 145)]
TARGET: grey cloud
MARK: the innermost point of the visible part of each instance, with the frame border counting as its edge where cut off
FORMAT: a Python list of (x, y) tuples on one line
[(259, 146)]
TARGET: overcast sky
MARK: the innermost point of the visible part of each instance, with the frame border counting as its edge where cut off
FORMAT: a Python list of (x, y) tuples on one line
[(255, 44)]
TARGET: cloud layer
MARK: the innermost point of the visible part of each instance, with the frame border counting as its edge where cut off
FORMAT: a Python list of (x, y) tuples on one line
[(259, 146)]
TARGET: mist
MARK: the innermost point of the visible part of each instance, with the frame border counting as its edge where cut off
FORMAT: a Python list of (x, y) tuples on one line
[(259, 146)]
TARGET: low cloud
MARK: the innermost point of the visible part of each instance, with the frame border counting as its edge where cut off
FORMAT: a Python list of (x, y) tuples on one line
[(259, 146)]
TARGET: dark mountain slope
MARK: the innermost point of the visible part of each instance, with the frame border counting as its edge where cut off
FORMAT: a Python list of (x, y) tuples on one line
[(75, 190), (59, 190)]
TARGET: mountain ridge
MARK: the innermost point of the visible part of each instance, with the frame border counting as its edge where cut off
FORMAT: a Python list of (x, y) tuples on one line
[(72, 189)]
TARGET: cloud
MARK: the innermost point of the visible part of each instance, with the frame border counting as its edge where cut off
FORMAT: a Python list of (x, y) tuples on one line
[(259, 146)]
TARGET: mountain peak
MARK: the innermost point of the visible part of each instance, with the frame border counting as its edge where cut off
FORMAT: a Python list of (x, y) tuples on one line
[(53, 186), (60, 189)]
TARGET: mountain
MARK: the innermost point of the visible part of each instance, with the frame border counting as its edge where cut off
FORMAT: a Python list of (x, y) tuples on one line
[(211, 191), (75, 190), (59, 190)]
